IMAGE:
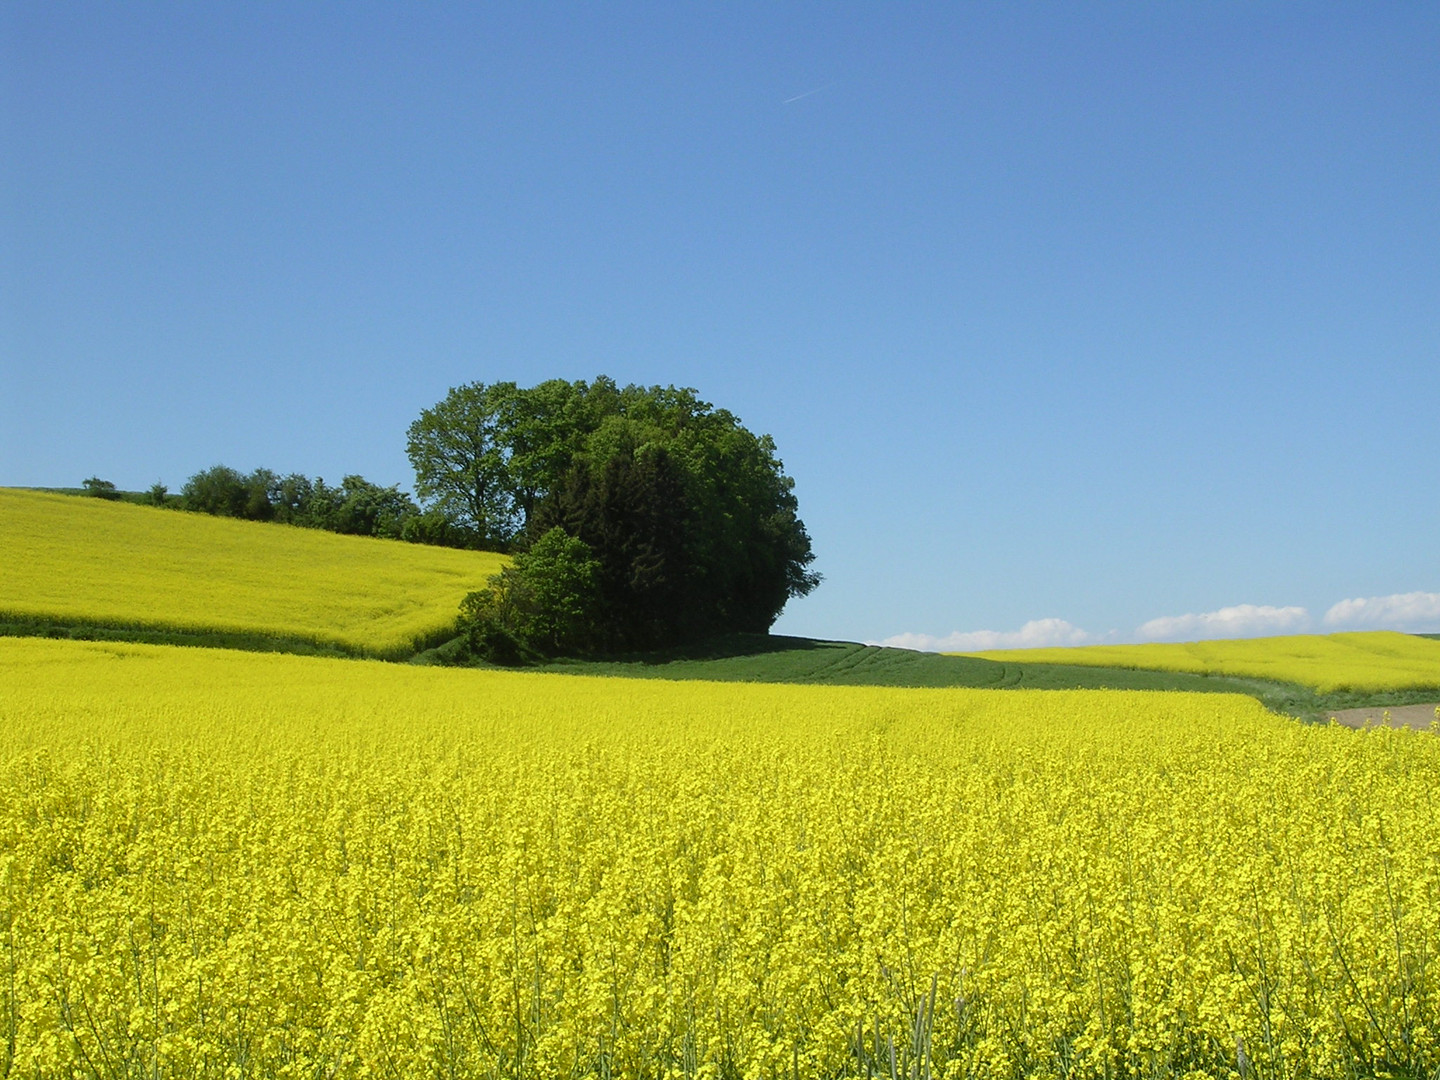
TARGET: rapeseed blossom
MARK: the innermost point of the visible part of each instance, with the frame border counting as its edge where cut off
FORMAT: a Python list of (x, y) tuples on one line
[(1366, 660), (231, 864), (99, 563)]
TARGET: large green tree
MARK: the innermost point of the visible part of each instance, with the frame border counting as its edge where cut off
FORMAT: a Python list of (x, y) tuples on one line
[(689, 517), (461, 462), (540, 432)]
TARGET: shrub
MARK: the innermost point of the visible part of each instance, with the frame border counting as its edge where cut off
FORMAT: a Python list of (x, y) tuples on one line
[(218, 490), (548, 602)]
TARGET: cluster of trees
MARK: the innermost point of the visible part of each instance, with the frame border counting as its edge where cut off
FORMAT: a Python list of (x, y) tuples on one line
[(356, 506), (158, 495), (100, 489), (640, 516)]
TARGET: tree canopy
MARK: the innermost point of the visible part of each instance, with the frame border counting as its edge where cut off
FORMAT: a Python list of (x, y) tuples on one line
[(677, 522), (356, 506)]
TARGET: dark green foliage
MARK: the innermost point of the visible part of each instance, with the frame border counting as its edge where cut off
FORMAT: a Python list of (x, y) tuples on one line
[(690, 517), (632, 512), (357, 506), (542, 431), (554, 589), (224, 491), (487, 638), (258, 486), (432, 527), (292, 499), (548, 601), (134, 498)]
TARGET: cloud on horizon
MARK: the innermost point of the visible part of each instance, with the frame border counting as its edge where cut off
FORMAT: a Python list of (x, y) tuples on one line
[(1240, 621), (1414, 611), (1036, 634), (1409, 611)]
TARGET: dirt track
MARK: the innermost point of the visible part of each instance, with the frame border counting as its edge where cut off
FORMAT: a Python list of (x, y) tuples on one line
[(1415, 716)]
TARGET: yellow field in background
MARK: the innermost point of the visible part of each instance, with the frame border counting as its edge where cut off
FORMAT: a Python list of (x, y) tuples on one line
[(1378, 660), (221, 864), (88, 560)]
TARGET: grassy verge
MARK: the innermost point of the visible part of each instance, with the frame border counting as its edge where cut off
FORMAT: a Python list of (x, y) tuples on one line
[(147, 635), (243, 641)]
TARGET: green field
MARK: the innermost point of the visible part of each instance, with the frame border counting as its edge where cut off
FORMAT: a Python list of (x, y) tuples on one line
[(776, 659)]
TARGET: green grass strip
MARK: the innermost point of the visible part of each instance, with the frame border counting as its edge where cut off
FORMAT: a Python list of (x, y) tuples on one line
[(777, 659)]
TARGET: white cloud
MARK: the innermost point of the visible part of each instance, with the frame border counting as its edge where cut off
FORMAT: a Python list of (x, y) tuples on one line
[(1036, 634), (1403, 611), (1242, 620), (1408, 611)]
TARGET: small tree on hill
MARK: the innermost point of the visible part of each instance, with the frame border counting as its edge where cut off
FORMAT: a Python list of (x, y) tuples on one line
[(218, 490)]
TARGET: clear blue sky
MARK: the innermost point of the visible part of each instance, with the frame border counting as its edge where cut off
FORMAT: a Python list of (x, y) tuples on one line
[(1097, 314)]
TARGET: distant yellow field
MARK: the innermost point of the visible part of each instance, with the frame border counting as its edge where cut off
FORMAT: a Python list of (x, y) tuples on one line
[(87, 560), (1378, 660), (240, 864)]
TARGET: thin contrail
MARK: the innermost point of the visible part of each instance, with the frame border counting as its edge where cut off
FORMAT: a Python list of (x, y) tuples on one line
[(807, 93)]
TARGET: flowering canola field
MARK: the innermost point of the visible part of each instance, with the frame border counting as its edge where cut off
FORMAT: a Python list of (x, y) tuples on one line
[(105, 563), (1371, 660), (224, 864)]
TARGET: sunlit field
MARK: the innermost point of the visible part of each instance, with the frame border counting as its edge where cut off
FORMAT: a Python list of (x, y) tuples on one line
[(1379, 660), (89, 561), (241, 864)]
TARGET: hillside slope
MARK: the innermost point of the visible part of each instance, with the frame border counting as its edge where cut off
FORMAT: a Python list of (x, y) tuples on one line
[(68, 562), (775, 659), (1377, 660), (768, 658)]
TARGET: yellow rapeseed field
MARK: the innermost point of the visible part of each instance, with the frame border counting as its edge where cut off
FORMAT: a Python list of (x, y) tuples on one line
[(92, 561), (1374, 660), (255, 865)]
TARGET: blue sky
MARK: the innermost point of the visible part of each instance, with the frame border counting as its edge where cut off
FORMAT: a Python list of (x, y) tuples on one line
[(1072, 322)]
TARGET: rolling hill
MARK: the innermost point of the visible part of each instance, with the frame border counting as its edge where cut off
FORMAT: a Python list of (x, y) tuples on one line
[(70, 563), (1376, 660)]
